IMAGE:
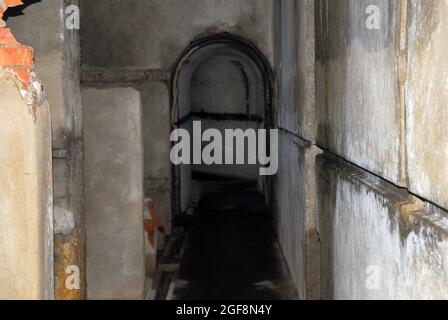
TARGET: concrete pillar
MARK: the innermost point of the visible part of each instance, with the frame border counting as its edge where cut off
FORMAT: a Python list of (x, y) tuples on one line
[(57, 55), (26, 211), (114, 193)]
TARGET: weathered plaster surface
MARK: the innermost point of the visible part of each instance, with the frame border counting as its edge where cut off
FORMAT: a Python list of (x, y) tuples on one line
[(358, 100), (427, 100), (56, 49), (367, 231), (114, 193), (57, 58), (26, 202)]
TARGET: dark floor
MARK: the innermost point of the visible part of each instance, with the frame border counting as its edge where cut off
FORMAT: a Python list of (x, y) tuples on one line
[(231, 251)]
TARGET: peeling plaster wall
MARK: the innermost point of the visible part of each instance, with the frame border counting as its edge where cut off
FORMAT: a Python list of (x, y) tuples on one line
[(57, 58), (367, 235), (56, 49), (26, 202), (114, 193)]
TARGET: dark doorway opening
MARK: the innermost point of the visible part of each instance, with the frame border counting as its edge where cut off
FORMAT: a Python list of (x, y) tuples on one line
[(231, 249), (225, 82)]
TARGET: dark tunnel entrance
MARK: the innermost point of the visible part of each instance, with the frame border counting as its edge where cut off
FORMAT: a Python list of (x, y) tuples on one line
[(225, 82), (231, 250)]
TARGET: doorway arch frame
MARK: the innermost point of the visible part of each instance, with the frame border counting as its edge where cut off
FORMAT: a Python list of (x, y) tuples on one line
[(251, 51)]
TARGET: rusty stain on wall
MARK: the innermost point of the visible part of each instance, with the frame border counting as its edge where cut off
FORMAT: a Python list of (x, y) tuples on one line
[(67, 254)]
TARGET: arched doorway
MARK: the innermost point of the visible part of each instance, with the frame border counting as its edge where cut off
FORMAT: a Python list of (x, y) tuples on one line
[(223, 81)]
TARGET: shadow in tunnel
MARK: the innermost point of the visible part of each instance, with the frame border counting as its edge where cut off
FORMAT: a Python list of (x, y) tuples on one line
[(231, 251)]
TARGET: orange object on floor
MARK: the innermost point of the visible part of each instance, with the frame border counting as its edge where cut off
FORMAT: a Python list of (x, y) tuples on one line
[(152, 222)]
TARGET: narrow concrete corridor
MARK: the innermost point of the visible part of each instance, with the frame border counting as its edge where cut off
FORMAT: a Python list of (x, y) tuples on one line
[(231, 251), (223, 149)]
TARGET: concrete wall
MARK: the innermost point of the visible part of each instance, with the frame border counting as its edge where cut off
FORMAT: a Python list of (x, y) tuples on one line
[(155, 101), (294, 184), (378, 102), (26, 210), (57, 58), (290, 209), (160, 30), (42, 26), (358, 97), (295, 213), (376, 242), (114, 193), (156, 124), (426, 100), (295, 65), (156, 130), (378, 90), (380, 105)]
